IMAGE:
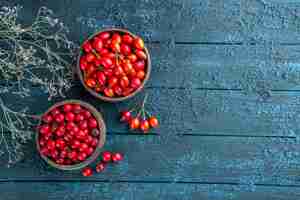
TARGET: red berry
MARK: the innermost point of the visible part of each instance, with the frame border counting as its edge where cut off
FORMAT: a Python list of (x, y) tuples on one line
[(115, 46), (60, 161), (125, 116), (100, 167), (77, 108), (59, 118), (79, 117), (81, 156), (145, 126), (140, 74), (135, 83), (118, 71), (87, 171), (106, 62), (83, 147), (45, 129), (45, 151), (138, 43), (116, 157), (127, 39), (90, 82), (67, 108), (81, 135), (132, 57), (63, 154), (60, 131), (94, 143), (141, 54), (75, 144), (83, 63), (87, 47), (90, 57), (101, 78), (98, 44), (75, 129), (72, 155), (60, 143), (103, 52), (108, 72), (104, 35), (124, 82), (116, 37), (93, 123), (127, 91), (106, 156), (54, 153), (108, 92), (70, 126), (70, 116), (118, 90), (125, 49), (83, 125), (112, 81), (87, 114), (89, 151), (153, 122), (51, 144), (55, 111), (42, 142), (47, 118), (127, 67), (139, 65), (134, 123)]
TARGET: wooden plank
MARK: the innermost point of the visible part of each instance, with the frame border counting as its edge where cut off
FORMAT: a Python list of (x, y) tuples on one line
[(192, 111), (145, 191), (204, 21), (225, 160)]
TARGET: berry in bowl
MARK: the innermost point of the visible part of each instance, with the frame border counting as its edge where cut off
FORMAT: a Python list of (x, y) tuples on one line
[(114, 65), (70, 135)]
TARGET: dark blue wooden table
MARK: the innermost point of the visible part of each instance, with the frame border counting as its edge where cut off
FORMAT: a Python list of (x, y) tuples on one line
[(224, 85)]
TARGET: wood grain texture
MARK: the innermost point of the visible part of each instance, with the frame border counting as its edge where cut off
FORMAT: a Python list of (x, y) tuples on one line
[(207, 21), (216, 160), (137, 191), (198, 112)]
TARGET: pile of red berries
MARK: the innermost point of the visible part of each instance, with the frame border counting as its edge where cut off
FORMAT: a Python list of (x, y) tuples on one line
[(142, 120), (113, 63), (107, 157), (69, 134)]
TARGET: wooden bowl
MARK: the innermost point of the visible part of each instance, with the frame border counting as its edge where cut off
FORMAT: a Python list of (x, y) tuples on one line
[(114, 99), (97, 150)]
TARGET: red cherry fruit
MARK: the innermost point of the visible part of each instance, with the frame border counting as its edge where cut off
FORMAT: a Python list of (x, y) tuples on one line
[(139, 65), (83, 147), (63, 154), (60, 143), (104, 35), (138, 43), (118, 71), (87, 171), (124, 82), (107, 62), (70, 125), (93, 123), (141, 54), (145, 126), (116, 38), (83, 125), (134, 123), (127, 67), (81, 156), (112, 81), (45, 151), (132, 57), (94, 142), (81, 134), (47, 118), (67, 107), (140, 74), (108, 72), (125, 49), (110, 55), (100, 167), (135, 83), (77, 108), (116, 157), (50, 144), (101, 78), (109, 92), (83, 63), (42, 142), (72, 155), (90, 82), (153, 122), (79, 117), (104, 51), (97, 63), (55, 111), (75, 144), (98, 44), (90, 57), (60, 131), (125, 116), (87, 47), (89, 151), (59, 118), (127, 91), (45, 129), (115, 47), (118, 90), (127, 39), (106, 156), (70, 116), (54, 154)]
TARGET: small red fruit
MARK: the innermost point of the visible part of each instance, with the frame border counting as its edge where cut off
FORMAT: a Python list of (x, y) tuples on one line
[(93, 123), (60, 143), (125, 49), (124, 82), (109, 92), (141, 54), (106, 156), (94, 142), (135, 83), (106, 62), (118, 71), (87, 114), (83, 63), (59, 118), (47, 118), (81, 156), (87, 171), (89, 151), (79, 117), (101, 78), (115, 47), (87, 47), (83, 125), (116, 157), (112, 81), (153, 122), (100, 167), (55, 111), (70, 116), (51, 144), (134, 123), (90, 82), (125, 116), (98, 44), (145, 126), (103, 52), (104, 35), (127, 39), (72, 155), (67, 107), (90, 57), (45, 129), (132, 57), (139, 65), (118, 90), (140, 74), (138, 43), (116, 38)]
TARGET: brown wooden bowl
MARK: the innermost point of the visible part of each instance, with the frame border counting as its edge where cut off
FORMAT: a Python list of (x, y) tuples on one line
[(97, 150), (114, 99)]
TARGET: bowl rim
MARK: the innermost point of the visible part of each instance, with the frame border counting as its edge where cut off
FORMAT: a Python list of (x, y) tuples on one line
[(113, 99), (102, 136)]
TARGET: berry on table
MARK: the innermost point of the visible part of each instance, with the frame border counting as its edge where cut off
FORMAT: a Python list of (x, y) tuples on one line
[(87, 171)]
